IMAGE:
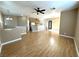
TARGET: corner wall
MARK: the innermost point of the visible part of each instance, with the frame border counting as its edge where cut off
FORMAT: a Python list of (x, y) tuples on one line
[(77, 33)]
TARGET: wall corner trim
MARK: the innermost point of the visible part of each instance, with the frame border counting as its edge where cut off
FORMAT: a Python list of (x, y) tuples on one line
[(76, 47), (66, 36)]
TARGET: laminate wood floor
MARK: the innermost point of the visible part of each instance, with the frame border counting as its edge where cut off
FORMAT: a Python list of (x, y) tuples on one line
[(41, 44)]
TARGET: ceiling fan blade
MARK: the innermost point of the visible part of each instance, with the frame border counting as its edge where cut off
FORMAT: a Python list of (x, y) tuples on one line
[(42, 13), (35, 9), (43, 10), (39, 11)]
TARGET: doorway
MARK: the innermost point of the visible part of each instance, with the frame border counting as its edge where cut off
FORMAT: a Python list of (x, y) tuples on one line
[(54, 23)]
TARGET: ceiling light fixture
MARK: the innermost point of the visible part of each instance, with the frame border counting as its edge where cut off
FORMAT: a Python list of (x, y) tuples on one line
[(8, 18), (53, 8)]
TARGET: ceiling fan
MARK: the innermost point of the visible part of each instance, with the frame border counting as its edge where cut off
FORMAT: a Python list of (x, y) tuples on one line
[(38, 10)]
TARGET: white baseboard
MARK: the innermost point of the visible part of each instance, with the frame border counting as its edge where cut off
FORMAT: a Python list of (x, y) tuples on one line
[(10, 41), (74, 42), (66, 36)]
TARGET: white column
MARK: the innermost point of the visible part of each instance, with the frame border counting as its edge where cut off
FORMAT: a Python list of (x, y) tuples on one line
[(1, 21), (1, 27)]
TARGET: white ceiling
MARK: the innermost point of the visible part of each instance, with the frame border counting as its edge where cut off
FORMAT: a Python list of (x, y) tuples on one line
[(26, 8)]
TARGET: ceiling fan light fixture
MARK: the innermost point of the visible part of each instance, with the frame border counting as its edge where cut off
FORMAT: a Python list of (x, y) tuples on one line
[(38, 10)]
